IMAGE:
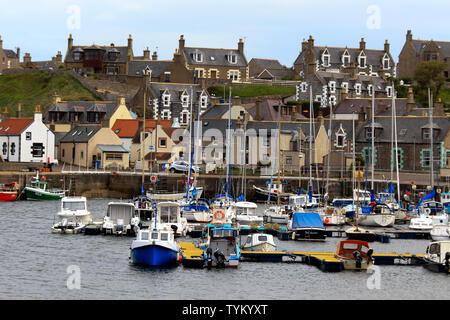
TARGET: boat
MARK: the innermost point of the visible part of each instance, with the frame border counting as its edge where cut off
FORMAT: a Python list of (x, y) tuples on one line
[(303, 201), (37, 190), (144, 210), (273, 192), (245, 213), (445, 199), (307, 226), (120, 219), (277, 214), (331, 216), (9, 191), (73, 216), (421, 223), (175, 196), (355, 254), (440, 232), (168, 216), (221, 248), (259, 242), (429, 213), (379, 215), (197, 211), (437, 256), (155, 248)]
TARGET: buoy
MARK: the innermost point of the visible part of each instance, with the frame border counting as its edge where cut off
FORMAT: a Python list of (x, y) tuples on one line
[(153, 179)]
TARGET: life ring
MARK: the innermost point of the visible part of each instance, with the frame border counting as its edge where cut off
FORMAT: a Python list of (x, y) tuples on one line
[(326, 220), (153, 179), (219, 214)]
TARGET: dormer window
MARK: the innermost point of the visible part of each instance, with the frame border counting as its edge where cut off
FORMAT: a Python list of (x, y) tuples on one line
[(203, 101), (113, 55), (197, 56), (166, 99), (232, 58), (184, 100), (345, 59), (345, 85), (389, 91), (370, 90), (326, 58), (362, 60), (386, 62), (340, 138), (304, 86), (333, 100)]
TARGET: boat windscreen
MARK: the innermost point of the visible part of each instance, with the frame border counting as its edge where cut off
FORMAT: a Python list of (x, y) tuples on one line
[(124, 212), (144, 235), (350, 246), (74, 206), (164, 236), (168, 214), (262, 238)]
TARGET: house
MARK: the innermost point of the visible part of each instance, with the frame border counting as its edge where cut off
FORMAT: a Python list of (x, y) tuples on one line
[(415, 51), (126, 130), (330, 71), (63, 114), (268, 69), (93, 147), (27, 139), (229, 65), (53, 64), (8, 58)]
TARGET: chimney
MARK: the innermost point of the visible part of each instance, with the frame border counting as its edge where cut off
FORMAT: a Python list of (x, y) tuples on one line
[(75, 122), (411, 104), (408, 35), (130, 47), (386, 46), (1, 43), (121, 101), (154, 56), (181, 44), (258, 109), (18, 53), (19, 113), (26, 58), (362, 44), (147, 54), (304, 45), (344, 93), (241, 47), (438, 108), (320, 118), (37, 114), (69, 43), (55, 98), (59, 57), (310, 42)]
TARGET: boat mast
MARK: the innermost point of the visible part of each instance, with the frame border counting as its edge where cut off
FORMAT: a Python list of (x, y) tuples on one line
[(279, 151), (396, 146), (353, 158), (229, 147), (430, 105), (310, 136), (357, 199), (191, 149), (143, 133), (329, 148), (372, 137)]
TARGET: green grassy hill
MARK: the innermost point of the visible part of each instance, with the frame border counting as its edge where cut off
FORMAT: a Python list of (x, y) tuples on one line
[(251, 91), (31, 89)]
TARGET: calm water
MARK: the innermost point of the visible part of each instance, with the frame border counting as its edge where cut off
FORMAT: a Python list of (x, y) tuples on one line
[(34, 262)]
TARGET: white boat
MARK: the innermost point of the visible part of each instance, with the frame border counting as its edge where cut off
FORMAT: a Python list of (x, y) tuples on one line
[(331, 216), (73, 216), (245, 213), (301, 201), (421, 223), (437, 256), (440, 232), (168, 216), (197, 211), (430, 213), (259, 242), (144, 210), (155, 248), (165, 196), (120, 219), (379, 216), (278, 214)]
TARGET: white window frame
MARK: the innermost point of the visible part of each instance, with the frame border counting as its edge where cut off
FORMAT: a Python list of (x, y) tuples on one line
[(346, 55), (326, 54), (232, 58), (203, 101), (233, 75), (304, 86), (358, 89), (332, 85), (362, 57), (166, 99), (345, 85), (370, 90), (386, 58), (389, 91)]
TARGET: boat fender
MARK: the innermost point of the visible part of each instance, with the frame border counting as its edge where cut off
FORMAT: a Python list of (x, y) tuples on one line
[(447, 260), (153, 179), (327, 220)]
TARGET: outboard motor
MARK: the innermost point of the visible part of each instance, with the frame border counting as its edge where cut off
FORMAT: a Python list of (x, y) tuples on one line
[(119, 225), (358, 259), (369, 254), (209, 258), (220, 259)]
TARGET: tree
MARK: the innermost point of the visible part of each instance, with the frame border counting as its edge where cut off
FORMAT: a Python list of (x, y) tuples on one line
[(430, 74)]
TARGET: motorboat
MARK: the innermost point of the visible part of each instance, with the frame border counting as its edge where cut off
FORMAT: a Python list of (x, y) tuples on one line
[(9, 191), (437, 256), (302, 201), (445, 199), (144, 210), (155, 248), (278, 214), (168, 216), (120, 219), (357, 233), (379, 215), (222, 201), (73, 216), (355, 254), (223, 216), (307, 226), (197, 211), (440, 232), (331, 216), (259, 242), (272, 192), (245, 213), (38, 190), (430, 213), (421, 223), (221, 248), (175, 196)]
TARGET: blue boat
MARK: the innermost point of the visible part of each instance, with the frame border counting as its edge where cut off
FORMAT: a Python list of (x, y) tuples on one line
[(307, 226), (222, 249)]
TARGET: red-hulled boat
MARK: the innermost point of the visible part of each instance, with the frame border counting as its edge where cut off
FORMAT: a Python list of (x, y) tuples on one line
[(9, 191)]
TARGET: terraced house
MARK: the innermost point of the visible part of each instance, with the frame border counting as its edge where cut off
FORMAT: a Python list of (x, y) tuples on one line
[(8, 58), (336, 71), (215, 64)]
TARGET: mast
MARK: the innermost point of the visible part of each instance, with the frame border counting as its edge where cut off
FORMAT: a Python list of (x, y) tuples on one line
[(310, 135), (143, 133), (353, 158), (191, 149), (396, 147), (279, 150), (357, 199), (329, 148), (229, 147), (430, 104), (372, 137)]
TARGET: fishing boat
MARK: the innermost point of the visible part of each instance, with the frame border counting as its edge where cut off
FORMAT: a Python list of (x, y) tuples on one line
[(379, 215), (355, 254), (440, 232), (277, 214), (437, 256), (73, 216), (155, 247), (197, 211), (9, 191), (245, 213), (331, 216), (259, 242), (273, 192), (120, 219), (37, 190), (221, 248), (307, 226), (168, 216)]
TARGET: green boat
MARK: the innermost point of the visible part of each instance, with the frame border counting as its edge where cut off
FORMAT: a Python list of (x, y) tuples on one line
[(37, 190)]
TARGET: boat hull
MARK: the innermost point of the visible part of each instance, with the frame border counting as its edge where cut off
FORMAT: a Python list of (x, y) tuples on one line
[(263, 195), (153, 256), (363, 236), (173, 196), (376, 220), (309, 234), (36, 194), (436, 267), (8, 195)]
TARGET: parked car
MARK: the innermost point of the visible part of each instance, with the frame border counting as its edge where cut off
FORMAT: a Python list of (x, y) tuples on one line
[(182, 166)]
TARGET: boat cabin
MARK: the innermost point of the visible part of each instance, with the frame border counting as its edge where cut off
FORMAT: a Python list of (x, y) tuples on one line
[(438, 252), (144, 209), (302, 200), (431, 208), (347, 248), (73, 204), (168, 212), (275, 187), (120, 211), (246, 208), (155, 235)]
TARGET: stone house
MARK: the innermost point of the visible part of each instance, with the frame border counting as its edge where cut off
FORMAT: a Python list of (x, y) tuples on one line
[(415, 51), (8, 58), (268, 69)]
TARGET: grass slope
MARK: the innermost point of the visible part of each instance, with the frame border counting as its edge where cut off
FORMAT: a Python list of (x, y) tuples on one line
[(31, 89), (251, 91)]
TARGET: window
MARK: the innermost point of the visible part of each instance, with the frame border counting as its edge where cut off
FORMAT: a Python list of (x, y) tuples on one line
[(345, 59), (425, 158), (234, 75), (144, 235), (63, 153), (304, 86), (28, 135), (362, 61), (369, 133), (288, 159), (82, 155), (4, 148), (184, 118), (198, 57), (166, 100), (198, 73), (399, 158), (155, 235), (114, 156), (232, 58), (166, 76), (164, 236), (358, 88), (370, 89), (326, 60), (386, 63), (166, 115), (162, 143), (367, 155), (37, 150), (389, 92), (426, 134), (332, 85)]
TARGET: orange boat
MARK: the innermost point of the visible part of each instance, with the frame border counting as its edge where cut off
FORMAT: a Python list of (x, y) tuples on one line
[(9, 191), (355, 254)]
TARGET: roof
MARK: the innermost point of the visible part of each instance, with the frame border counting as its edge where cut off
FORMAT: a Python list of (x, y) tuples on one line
[(382, 105), (123, 52), (136, 68), (214, 57), (112, 148), (269, 111), (419, 45), (82, 107), (10, 54), (14, 126), (80, 134), (126, 128)]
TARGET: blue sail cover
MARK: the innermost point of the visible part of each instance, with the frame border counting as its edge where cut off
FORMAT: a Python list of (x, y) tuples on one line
[(307, 220)]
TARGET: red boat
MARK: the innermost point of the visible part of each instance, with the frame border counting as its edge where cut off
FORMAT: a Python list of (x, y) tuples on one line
[(9, 191)]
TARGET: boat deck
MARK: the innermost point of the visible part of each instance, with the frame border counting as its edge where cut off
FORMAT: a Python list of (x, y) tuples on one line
[(192, 256)]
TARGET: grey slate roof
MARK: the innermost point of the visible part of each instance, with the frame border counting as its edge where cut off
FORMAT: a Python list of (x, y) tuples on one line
[(10, 53), (112, 148), (80, 134), (349, 106), (214, 57), (108, 107), (123, 51), (136, 68), (419, 45)]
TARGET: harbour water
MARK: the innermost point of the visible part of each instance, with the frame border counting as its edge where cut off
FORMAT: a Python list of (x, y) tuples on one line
[(34, 264)]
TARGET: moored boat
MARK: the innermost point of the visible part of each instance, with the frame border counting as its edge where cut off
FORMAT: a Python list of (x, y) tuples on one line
[(307, 226), (38, 190), (355, 254), (120, 219), (168, 216), (259, 242), (9, 191), (73, 216), (437, 256), (221, 248), (379, 215), (440, 232)]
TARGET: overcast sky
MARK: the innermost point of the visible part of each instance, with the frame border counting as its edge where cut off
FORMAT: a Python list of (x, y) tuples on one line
[(271, 29)]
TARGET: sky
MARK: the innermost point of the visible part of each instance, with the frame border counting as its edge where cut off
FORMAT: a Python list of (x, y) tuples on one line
[(271, 29)]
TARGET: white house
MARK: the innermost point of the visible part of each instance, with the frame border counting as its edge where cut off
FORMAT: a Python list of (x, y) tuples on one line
[(26, 139)]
